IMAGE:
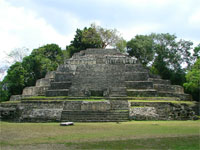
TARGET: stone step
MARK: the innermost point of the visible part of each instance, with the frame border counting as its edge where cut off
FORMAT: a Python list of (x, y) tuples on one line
[(136, 76), (63, 68), (139, 84), (155, 76), (156, 98), (43, 82), (94, 116), (57, 92), (159, 81), (41, 90), (117, 92), (103, 120), (35, 91), (77, 112), (78, 61), (135, 68), (63, 76), (142, 92), (60, 85), (31, 90), (183, 97), (50, 75), (169, 88)]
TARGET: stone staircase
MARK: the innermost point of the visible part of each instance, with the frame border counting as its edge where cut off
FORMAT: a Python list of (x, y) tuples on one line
[(140, 83), (41, 86), (60, 85), (95, 116), (136, 79)]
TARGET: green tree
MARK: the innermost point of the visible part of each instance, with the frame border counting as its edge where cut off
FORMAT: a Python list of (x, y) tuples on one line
[(33, 67), (96, 37), (15, 78), (4, 94), (164, 54), (43, 59), (86, 38), (172, 57), (142, 47), (121, 46), (193, 80), (51, 51), (90, 37)]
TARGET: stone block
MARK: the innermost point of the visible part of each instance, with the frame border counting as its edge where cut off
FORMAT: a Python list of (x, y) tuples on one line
[(50, 75), (119, 104), (135, 68), (143, 113), (142, 92), (139, 84), (169, 88), (72, 105), (159, 81), (62, 77), (136, 76), (29, 91), (15, 97), (95, 106), (41, 90), (57, 92), (43, 115), (43, 82), (183, 97), (61, 85)]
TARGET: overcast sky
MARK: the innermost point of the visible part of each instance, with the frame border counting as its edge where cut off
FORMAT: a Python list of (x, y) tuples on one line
[(33, 23)]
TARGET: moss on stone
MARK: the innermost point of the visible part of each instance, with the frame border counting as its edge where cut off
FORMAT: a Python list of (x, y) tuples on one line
[(123, 110), (10, 102), (61, 100), (163, 101)]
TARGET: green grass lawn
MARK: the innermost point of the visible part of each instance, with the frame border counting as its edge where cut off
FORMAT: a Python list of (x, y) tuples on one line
[(139, 135)]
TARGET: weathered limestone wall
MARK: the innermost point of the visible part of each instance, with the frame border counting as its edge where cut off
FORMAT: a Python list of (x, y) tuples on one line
[(90, 111), (9, 112), (47, 111), (161, 111), (98, 80)]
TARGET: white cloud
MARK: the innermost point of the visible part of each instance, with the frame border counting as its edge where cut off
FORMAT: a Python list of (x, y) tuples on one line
[(24, 28), (194, 19), (139, 29)]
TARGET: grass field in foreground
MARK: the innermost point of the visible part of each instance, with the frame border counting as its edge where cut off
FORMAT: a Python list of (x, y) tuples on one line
[(139, 135)]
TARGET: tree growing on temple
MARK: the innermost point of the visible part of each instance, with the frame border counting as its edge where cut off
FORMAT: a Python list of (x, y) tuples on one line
[(96, 37)]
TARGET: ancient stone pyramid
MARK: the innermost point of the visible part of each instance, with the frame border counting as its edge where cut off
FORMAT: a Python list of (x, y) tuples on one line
[(103, 72), (100, 85)]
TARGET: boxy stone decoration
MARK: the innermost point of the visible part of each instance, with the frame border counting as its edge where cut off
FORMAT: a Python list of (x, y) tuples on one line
[(97, 85)]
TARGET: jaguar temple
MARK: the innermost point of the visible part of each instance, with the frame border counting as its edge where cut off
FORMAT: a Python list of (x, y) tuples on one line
[(100, 85)]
